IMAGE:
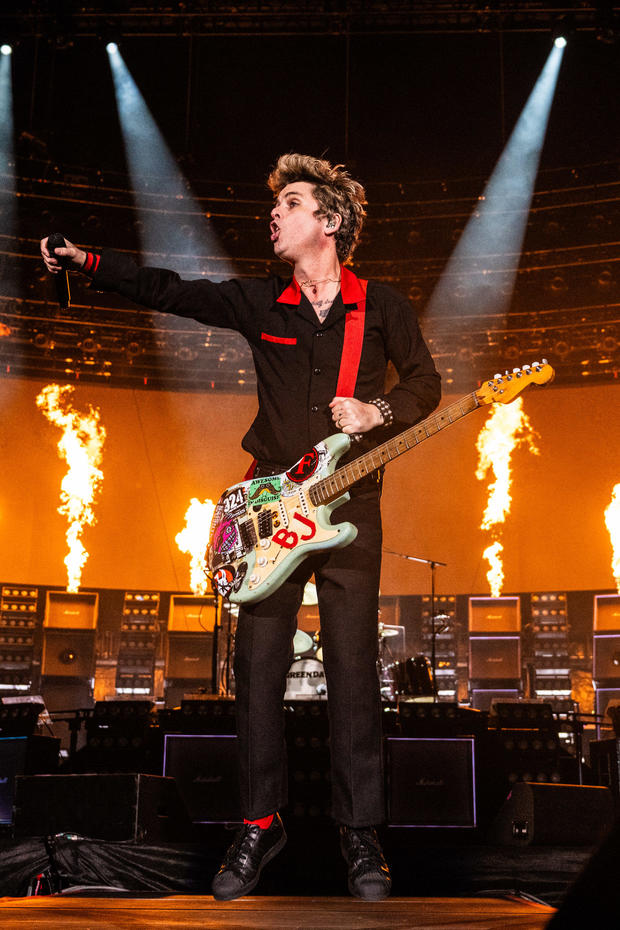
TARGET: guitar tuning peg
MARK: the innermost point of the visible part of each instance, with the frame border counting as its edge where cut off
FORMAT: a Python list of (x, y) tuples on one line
[(498, 377), (517, 372), (544, 361)]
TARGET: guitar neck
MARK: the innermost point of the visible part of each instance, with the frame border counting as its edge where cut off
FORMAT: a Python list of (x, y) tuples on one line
[(328, 489)]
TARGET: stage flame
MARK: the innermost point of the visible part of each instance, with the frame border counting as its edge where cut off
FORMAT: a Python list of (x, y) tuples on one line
[(193, 540), (81, 446), (612, 521), (506, 428)]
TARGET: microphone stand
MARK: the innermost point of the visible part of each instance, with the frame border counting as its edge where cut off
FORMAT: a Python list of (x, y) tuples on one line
[(215, 647), (432, 563)]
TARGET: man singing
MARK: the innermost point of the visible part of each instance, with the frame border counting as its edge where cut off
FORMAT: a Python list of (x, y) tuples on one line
[(321, 342)]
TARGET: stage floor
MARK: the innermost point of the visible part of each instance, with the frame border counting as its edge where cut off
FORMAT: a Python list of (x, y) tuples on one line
[(182, 912)]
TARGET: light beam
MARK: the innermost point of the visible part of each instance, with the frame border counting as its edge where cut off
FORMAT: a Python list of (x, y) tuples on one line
[(483, 266)]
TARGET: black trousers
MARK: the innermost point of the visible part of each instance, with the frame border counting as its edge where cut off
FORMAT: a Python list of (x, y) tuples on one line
[(348, 594)]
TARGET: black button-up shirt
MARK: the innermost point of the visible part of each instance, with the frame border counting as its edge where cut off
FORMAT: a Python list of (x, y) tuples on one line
[(297, 358)]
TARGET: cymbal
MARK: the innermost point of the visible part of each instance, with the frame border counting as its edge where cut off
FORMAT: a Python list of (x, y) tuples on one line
[(301, 643), (384, 633)]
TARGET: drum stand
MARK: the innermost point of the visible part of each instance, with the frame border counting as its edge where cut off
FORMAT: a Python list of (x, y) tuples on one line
[(432, 564)]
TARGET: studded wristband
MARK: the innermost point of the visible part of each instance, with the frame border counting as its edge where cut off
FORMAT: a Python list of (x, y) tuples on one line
[(384, 409)]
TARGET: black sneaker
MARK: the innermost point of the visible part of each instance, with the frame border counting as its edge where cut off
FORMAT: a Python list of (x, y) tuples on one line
[(369, 876), (251, 849)]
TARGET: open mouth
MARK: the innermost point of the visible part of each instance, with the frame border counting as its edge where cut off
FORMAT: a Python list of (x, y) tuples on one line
[(275, 231)]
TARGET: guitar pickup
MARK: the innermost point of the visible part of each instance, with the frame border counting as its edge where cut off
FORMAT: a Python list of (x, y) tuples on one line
[(247, 535), (265, 523)]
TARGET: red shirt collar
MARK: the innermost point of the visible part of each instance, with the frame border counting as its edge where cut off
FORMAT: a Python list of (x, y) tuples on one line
[(350, 288)]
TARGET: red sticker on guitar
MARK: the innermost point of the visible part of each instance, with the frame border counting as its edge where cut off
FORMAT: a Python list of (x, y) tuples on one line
[(304, 468)]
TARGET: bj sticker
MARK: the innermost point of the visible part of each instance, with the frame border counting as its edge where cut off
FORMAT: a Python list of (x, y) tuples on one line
[(264, 490)]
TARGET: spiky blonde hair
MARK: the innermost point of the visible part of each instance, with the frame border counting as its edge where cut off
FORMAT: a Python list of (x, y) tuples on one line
[(335, 191)]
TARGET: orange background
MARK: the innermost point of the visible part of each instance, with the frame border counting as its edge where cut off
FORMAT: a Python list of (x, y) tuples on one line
[(162, 449)]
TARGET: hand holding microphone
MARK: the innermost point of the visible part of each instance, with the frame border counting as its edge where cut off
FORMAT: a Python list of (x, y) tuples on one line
[(57, 262)]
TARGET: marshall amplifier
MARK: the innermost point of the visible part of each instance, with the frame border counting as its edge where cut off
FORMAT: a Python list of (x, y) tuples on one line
[(431, 782), (494, 615), (495, 658), (206, 772), (607, 612), (23, 755), (67, 611)]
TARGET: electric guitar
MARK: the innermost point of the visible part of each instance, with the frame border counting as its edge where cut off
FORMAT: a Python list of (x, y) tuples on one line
[(264, 527)]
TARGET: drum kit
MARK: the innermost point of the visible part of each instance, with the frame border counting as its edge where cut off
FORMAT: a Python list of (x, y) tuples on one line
[(305, 680), (409, 678)]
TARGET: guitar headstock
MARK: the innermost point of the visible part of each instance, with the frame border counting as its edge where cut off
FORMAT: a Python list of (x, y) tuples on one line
[(504, 388)]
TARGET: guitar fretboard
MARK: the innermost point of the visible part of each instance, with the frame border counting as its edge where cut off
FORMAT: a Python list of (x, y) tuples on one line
[(328, 489)]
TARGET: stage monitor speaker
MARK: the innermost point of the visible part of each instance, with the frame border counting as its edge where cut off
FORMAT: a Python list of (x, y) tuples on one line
[(431, 782), (606, 656), (68, 653), (205, 769), (607, 612), (67, 611), (494, 615), (484, 698), (541, 814), (494, 658), (115, 807), (593, 899), (23, 755)]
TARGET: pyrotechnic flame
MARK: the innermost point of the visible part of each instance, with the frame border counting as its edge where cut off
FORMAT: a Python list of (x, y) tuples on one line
[(495, 574), (506, 428), (81, 446), (193, 540), (612, 521)]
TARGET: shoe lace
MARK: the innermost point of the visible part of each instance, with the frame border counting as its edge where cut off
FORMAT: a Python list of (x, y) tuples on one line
[(367, 847), (241, 846)]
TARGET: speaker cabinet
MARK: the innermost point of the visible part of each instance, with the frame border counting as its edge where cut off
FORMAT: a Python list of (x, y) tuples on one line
[(606, 656), (483, 698), (553, 815), (494, 615), (115, 807), (607, 612), (68, 653), (191, 614), (23, 755), (67, 611), (205, 769), (431, 782), (495, 658), (189, 655)]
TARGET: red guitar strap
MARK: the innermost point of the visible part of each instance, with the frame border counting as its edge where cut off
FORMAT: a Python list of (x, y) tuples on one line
[(352, 346)]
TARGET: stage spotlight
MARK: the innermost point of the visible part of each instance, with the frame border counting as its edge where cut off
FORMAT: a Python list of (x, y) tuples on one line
[(560, 42), (111, 48), (6, 49)]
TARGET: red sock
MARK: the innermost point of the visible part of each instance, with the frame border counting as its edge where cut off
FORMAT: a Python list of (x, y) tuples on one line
[(263, 822)]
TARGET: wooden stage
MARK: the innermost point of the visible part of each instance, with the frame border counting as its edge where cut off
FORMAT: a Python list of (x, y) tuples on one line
[(183, 912)]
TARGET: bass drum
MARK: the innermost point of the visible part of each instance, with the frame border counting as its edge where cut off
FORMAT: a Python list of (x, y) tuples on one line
[(305, 681)]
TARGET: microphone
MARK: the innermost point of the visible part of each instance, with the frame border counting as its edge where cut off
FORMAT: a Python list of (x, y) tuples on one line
[(61, 278)]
